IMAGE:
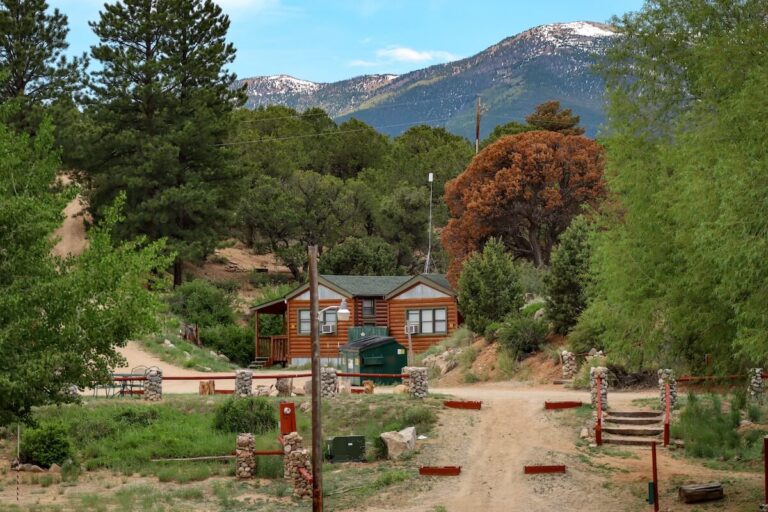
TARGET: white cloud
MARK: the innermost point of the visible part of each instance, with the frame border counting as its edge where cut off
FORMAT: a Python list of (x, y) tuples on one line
[(403, 54)]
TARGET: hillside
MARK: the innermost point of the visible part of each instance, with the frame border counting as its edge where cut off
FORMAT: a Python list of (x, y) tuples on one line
[(512, 77)]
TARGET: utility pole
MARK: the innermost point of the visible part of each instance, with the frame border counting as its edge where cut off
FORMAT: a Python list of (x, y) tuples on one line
[(477, 125), (317, 443)]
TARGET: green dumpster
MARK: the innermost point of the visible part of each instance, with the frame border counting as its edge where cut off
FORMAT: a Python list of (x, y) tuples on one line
[(374, 354)]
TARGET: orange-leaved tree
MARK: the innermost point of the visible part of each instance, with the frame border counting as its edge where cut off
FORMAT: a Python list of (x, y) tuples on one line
[(523, 189)]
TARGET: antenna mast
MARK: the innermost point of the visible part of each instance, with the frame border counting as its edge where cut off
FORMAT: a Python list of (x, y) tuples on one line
[(430, 179)]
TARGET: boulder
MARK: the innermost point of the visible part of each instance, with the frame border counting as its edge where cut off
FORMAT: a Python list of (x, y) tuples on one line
[(345, 388), (31, 468), (399, 443), (539, 314), (187, 355), (168, 344), (308, 387), (55, 468), (400, 389), (305, 406), (298, 392), (223, 357), (368, 386)]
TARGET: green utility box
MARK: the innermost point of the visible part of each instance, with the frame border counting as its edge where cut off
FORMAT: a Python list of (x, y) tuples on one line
[(374, 354), (345, 449)]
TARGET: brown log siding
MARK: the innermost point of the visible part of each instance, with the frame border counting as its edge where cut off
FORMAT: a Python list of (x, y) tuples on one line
[(300, 345), (421, 342)]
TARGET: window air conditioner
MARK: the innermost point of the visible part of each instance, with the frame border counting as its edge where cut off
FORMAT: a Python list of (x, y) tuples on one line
[(328, 328), (412, 329)]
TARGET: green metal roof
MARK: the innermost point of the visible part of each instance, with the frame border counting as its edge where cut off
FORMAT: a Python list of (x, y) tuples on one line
[(370, 286), (439, 279)]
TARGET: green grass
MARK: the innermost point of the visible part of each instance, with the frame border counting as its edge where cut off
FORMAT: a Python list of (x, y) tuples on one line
[(199, 358)]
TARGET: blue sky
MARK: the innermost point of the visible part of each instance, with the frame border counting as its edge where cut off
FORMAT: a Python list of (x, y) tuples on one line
[(328, 40)]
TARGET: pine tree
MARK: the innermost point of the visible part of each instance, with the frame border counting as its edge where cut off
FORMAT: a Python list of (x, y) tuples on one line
[(162, 106), (549, 116), (33, 69)]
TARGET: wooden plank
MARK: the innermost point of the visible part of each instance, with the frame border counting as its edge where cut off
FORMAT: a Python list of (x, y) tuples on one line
[(440, 470), (223, 391), (463, 404), (697, 493), (562, 404), (192, 459), (269, 452), (536, 470)]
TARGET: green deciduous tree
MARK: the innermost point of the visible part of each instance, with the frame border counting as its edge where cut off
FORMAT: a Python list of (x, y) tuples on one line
[(162, 104), (679, 258), (568, 277), (489, 287), (60, 319)]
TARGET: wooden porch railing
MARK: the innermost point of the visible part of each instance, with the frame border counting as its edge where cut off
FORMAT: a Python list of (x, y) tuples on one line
[(274, 348)]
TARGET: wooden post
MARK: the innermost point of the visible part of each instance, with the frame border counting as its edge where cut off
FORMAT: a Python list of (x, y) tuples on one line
[(667, 406), (599, 425), (317, 444), (655, 479)]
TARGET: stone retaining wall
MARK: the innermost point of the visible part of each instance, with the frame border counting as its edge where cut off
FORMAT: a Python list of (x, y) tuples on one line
[(667, 375), (569, 365), (756, 384)]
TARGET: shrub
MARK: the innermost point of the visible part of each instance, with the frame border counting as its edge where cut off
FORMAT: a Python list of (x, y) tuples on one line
[(492, 331), (202, 303), (489, 287), (260, 279), (250, 414), (522, 335), (234, 341), (461, 337), (531, 277), (46, 445), (581, 380), (369, 256), (569, 275), (467, 356), (708, 431), (531, 309)]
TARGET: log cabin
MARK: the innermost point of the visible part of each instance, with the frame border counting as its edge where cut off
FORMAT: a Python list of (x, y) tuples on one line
[(424, 306)]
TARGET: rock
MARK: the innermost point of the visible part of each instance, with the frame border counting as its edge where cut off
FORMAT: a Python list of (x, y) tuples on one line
[(400, 389), (168, 344), (345, 388), (308, 388), (745, 423), (396, 444), (284, 387), (55, 468), (368, 386), (213, 353), (30, 468), (305, 406), (262, 390), (223, 357), (298, 392), (584, 433), (409, 434), (593, 352), (539, 314), (187, 355)]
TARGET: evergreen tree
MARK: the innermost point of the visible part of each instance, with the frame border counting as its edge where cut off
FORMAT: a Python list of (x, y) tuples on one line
[(370, 256), (568, 277), (162, 105), (33, 70), (550, 117), (489, 287)]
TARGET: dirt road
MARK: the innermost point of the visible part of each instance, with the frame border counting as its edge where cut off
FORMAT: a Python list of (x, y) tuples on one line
[(493, 444)]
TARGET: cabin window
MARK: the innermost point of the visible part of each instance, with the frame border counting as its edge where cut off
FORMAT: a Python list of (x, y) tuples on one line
[(305, 321), (430, 321), (369, 307)]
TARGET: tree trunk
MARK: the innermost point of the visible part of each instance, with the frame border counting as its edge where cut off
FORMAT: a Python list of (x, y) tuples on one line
[(533, 239), (177, 272)]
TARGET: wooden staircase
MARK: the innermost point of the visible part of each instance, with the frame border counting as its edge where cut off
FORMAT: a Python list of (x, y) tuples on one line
[(633, 428)]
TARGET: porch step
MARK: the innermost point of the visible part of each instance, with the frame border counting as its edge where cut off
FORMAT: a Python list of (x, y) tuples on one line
[(633, 421), (635, 414), (258, 362), (633, 431), (630, 440)]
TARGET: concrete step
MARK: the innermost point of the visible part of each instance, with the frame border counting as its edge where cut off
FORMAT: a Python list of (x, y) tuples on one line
[(633, 431), (634, 421), (635, 414), (631, 440)]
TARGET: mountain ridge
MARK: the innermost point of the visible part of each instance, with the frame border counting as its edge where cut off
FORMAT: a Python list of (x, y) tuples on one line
[(547, 62)]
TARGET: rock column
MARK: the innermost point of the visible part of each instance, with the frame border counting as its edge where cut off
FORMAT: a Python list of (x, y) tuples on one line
[(667, 375), (569, 365), (756, 384), (243, 383), (291, 443), (417, 382), (284, 387), (329, 382), (602, 373), (153, 388), (245, 456), (295, 460)]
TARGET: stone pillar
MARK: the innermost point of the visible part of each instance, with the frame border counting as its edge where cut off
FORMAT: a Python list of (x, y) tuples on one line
[(764, 508), (594, 372), (417, 382), (243, 383), (245, 457), (291, 442), (329, 382), (756, 384), (295, 460), (569, 365), (667, 375), (284, 387), (153, 386)]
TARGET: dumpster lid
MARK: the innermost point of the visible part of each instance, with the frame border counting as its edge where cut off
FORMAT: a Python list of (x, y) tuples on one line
[(368, 342)]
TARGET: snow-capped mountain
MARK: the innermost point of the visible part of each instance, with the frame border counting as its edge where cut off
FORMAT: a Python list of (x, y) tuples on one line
[(513, 76)]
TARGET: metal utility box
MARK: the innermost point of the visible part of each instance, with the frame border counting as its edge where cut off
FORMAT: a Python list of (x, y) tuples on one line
[(374, 354), (345, 448)]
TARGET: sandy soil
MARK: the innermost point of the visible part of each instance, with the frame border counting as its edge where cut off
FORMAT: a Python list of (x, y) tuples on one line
[(71, 236), (136, 356)]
